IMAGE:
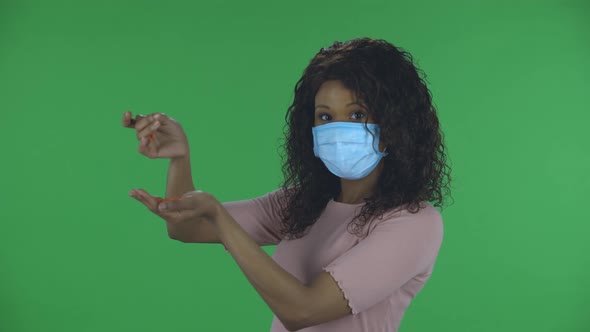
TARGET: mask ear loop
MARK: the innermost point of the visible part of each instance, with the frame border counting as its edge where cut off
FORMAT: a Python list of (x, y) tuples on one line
[(384, 153)]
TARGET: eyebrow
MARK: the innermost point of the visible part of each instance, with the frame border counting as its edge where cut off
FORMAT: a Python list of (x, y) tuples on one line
[(353, 103)]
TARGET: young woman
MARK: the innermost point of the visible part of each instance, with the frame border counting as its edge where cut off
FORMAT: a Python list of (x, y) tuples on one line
[(356, 235)]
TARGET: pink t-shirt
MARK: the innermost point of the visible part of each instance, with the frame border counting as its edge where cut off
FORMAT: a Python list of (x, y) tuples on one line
[(378, 275)]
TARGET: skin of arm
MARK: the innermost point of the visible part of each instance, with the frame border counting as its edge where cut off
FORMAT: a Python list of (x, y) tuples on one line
[(180, 181), (295, 304)]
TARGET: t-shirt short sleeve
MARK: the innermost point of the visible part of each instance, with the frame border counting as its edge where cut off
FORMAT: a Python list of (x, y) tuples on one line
[(395, 251), (259, 217)]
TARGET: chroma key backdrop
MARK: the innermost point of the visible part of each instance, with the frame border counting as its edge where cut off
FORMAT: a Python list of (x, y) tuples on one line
[(510, 81)]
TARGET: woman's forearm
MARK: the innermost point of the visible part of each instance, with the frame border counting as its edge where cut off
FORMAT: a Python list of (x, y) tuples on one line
[(284, 293), (180, 179), (179, 182)]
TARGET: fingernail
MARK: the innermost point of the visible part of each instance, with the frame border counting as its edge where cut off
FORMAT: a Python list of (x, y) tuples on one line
[(163, 207)]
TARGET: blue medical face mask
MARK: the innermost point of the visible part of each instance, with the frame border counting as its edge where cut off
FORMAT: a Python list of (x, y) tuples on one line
[(347, 149)]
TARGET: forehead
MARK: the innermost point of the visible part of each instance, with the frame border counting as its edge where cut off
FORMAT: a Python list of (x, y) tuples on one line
[(334, 93)]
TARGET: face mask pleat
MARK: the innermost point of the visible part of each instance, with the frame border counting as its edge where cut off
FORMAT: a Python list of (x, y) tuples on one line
[(347, 149)]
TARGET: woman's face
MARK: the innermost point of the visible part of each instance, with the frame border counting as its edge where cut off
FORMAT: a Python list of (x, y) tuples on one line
[(336, 103)]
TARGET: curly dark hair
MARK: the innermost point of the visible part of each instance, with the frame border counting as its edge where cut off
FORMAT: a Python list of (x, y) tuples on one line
[(386, 79)]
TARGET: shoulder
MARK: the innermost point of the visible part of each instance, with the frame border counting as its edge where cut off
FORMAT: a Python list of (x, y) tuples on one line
[(275, 198), (426, 213), (279, 194), (427, 222)]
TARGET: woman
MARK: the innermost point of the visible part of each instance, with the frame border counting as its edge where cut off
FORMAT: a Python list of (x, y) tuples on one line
[(364, 152)]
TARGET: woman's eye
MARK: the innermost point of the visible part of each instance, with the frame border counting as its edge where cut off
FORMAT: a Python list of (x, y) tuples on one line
[(359, 112), (322, 116)]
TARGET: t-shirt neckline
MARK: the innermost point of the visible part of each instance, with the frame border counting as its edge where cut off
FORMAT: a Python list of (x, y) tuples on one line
[(345, 204)]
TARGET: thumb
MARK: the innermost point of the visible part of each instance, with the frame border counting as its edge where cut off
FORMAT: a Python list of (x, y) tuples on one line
[(128, 121), (165, 205), (151, 202), (176, 204)]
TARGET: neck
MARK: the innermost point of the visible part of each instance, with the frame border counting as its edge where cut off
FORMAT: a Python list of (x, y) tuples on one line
[(354, 191)]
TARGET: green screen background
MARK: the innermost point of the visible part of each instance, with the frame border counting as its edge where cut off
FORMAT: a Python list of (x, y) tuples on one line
[(510, 81)]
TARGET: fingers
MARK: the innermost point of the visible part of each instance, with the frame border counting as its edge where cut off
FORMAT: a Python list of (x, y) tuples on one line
[(146, 199), (149, 146), (145, 121), (141, 121), (177, 204), (150, 200), (127, 119), (160, 200), (145, 126), (147, 130), (152, 203)]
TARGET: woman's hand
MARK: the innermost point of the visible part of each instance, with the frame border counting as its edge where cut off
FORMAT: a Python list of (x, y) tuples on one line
[(192, 205), (159, 135)]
